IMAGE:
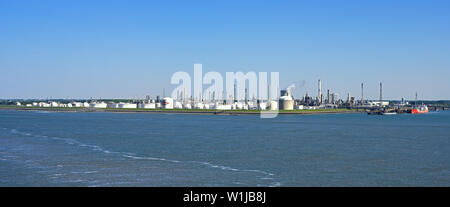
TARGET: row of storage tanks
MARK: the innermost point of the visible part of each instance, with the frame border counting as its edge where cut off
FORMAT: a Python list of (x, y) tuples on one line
[(285, 102), (166, 103)]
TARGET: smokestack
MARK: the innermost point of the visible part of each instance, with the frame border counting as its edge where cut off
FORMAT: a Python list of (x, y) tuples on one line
[(381, 92), (246, 96), (235, 93), (362, 93), (319, 96), (328, 96)]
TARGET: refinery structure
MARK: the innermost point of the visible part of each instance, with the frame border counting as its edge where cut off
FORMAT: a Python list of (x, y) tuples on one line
[(286, 101)]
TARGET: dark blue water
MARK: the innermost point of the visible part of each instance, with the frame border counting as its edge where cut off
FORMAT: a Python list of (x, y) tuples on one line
[(112, 149)]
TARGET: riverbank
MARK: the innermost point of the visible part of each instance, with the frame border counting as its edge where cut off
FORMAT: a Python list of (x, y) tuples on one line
[(181, 111)]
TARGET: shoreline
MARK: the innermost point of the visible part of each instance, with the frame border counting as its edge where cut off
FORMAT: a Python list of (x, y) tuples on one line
[(185, 111)]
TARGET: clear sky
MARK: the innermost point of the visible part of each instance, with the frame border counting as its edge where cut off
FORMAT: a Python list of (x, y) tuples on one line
[(127, 49)]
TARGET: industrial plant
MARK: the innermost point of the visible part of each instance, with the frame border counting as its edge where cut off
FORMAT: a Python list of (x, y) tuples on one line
[(286, 101)]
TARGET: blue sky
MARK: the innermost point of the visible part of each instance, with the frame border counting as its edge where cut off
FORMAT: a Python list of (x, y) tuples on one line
[(127, 49)]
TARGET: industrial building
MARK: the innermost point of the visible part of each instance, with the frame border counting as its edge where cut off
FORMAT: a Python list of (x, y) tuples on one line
[(286, 101)]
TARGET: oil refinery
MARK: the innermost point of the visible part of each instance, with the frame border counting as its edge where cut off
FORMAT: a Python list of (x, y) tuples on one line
[(285, 102)]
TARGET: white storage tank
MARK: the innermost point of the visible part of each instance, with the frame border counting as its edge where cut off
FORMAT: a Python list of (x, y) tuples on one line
[(77, 104), (147, 106), (98, 105), (127, 105), (238, 106), (199, 106), (85, 104), (286, 103), (187, 106), (273, 105), (167, 103), (223, 107), (300, 107), (178, 105)]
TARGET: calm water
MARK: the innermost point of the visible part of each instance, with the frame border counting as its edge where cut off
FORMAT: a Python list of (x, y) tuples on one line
[(111, 149)]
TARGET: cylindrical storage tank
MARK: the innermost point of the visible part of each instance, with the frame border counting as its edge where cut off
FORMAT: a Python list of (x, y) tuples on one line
[(77, 104), (146, 105), (187, 106), (178, 105), (158, 105), (206, 106), (286, 103), (199, 105), (239, 106), (223, 107), (85, 104), (167, 103), (273, 105), (127, 105), (98, 105)]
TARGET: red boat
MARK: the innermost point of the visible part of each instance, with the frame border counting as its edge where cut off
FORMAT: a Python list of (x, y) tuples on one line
[(422, 109)]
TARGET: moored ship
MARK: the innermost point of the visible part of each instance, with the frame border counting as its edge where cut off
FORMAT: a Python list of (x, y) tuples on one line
[(422, 109)]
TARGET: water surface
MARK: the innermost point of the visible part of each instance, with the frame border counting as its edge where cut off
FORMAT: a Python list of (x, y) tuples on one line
[(136, 149)]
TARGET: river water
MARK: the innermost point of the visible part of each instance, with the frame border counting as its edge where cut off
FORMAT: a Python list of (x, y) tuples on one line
[(40, 148)]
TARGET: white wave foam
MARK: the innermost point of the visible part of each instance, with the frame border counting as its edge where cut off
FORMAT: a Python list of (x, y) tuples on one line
[(150, 158), (216, 166), (133, 156), (233, 169), (275, 184), (260, 171), (42, 112), (86, 172), (75, 181)]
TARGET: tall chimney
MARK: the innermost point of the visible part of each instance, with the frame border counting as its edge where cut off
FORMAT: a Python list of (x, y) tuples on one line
[(362, 93), (328, 96), (319, 96), (235, 94), (381, 92)]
